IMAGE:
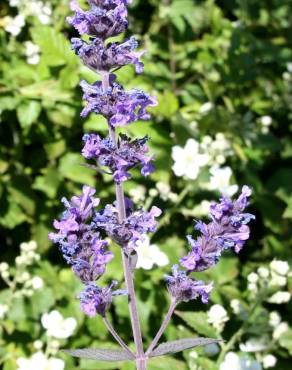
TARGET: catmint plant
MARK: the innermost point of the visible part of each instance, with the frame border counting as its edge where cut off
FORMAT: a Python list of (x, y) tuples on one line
[(85, 226)]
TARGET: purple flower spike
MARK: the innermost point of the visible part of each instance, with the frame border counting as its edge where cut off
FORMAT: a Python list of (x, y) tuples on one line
[(104, 20), (132, 229), (99, 57), (118, 106), (80, 243), (183, 288), (95, 300), (120, 157), (228, 229)]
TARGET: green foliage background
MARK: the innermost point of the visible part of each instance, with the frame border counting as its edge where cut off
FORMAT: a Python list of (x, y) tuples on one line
[(231, 53)]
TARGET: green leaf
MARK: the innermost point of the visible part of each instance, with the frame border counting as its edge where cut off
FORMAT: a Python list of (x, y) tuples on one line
[(49, 182), (54, 46), (168, 104), (72, 169), (28, 113), (198, 322)]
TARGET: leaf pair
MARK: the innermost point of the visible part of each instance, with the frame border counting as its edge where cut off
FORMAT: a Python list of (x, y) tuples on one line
[(161, 350)]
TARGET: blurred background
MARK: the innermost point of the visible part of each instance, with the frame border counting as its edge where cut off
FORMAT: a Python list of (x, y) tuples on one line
[(222, 72)]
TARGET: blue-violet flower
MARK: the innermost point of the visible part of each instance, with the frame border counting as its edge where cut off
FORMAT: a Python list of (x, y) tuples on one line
[(118, 157)]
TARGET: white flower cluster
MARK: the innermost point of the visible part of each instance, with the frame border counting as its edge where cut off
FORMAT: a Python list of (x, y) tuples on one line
[(217, 317), (40, 361), (163, 190), (274, 277), (56, 327), (235, 362), (41, 10), (209, 153), (19, 280), (149, 254), (32, 52), (279, 327), (265, 123)]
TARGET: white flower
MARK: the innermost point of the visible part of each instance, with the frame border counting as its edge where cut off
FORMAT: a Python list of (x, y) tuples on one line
[(254, 345), (32, 52), (253, 277), (163, 189), (37, 282), (39, 361), (280, 298), (235, 305), (28, 246), (220, 181), (188, 161), (217, 316), (206, 107), (14, 3), (233, 362), (280, 329), (289, 67), (137, 193), (269, 361), (263, 272), (14, 25), (274, 319), (277, 280), (280, 267), (266, 121), (3, 310), (4, 267), (149, 255), (57, 326), (38, 344)]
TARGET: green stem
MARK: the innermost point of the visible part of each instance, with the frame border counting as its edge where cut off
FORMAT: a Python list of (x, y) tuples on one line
[(238, 334)]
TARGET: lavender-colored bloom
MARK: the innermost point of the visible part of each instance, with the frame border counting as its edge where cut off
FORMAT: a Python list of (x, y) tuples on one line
[(183, 288), (120, 107), (228, 229), (95, 300), (80, 243), (99, 57), (104, 19), (120, 157), (132, 229)]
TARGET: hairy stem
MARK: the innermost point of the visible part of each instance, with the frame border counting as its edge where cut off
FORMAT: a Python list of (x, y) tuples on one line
[(162, 327), (141, 360), (117, 337)]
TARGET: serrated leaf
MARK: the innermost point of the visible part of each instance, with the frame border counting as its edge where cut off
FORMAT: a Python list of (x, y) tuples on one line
[(54, 46), (100, 354), (180, 345), (198, 321)]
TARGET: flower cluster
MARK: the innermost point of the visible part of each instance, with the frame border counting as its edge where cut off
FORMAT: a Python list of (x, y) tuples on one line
[(210, 154), (227, 229), (20, 280), (132, 229), (118, 157), (183, 288), (104, 19), (272, 279), (118, 106), (97, 300), (99, 57), (80, 243)]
